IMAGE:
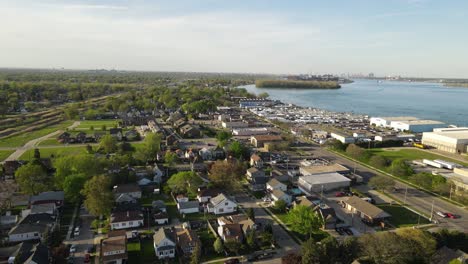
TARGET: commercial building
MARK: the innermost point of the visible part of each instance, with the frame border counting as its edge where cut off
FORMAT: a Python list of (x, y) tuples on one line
[(323, 181), (365, 210), (386, 121), (453, 140), (416, 126), (260, 140), (250, 131), (318, 169), (342, 137)]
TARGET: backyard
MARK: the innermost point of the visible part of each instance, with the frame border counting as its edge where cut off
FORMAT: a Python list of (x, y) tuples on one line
[(402, 217)]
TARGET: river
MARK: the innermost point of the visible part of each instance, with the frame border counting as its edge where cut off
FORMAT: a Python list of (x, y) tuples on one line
[(386, 98)]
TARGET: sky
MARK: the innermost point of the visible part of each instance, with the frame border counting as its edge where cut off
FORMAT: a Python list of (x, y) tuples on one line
[(418, 38)]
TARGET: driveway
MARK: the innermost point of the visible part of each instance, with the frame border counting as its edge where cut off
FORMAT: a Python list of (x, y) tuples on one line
[(86, 237)]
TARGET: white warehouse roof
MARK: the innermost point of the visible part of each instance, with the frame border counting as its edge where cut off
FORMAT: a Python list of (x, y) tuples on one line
[(324, 178)]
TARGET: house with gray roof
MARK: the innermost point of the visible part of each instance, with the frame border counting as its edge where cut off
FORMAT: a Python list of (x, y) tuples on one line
[(221, 204), (164, 243), (32, 227), (189, 207)]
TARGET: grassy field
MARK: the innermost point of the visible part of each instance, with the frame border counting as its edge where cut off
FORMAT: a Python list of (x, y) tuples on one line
[(58, 151), (133, 246), (410, 154), (402, 217), (49, 142), (97, 124), (5, 153)]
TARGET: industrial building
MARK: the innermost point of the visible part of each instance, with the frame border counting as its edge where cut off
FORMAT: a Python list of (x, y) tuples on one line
[(453, 140), (416, 126), (406, 123), (323, 181), (250, 131), (318, 169), (343, 137)]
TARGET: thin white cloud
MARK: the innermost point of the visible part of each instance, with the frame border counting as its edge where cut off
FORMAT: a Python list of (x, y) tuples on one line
[(98, 7)]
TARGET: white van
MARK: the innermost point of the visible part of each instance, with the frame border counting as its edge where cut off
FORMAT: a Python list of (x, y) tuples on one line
[(76, 232)]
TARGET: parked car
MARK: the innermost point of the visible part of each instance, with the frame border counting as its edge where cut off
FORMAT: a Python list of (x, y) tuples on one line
[(443, 215), (76, 232), (340, 194), (232, 261), (73, 248), (449, 215), (87, 258)]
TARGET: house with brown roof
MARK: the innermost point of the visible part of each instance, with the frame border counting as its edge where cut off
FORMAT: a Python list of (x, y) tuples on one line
[(126, 219), (231, 232), (114, 250), (204, 195), (259, 141), (365, 210), (256, 161), (254, 172), (187, 241), (189, 131), (246, 224), (274, 184)]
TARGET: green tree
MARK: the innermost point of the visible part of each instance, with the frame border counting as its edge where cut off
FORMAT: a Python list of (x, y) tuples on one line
[(232, 246), (170, 158), (355, 151), (72, 186), (263, 95), (108, 144), (37, 154), (218, 246), (31, 178), (280, 206), (184, 182), (150, 147), (400, 168), (250, 238), (335, 145), (103, 127), (71, 112), (250, 213), (378, 162), (382, 183), (195, 258), (423, 179), (304, 220), (237, 149), (98, 197), (227, 174), (222, 137), (424, 243)]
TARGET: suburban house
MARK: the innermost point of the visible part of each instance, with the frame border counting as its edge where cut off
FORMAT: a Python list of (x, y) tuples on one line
[(259, 141), (130, 189), (126, 219), (47, 208), (179, 123), (124, 198), (206, 154), (246, 224), (182, 198), (27, 253), (187, 240), (189, 207), (114, 250), (48, 197), (274, 184), (256, 161), (189, 131), (32, 227), (277, 195), (204, 195), (231, 232), (158, 173), (258, 183), (161, 218), (8, 221), (159, 205), (308, 201), (365, 210), (116, 133), (221, 205), (328, 215), (254, 172), (171, 140), (164, 243)]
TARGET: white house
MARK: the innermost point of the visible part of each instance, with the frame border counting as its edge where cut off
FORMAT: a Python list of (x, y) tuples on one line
[(32, 227), (280, 195), (190, 207), (164, 243), (221, 205), (126, 219), (114, 250), (161, 218), (274, 184), (342, 137)]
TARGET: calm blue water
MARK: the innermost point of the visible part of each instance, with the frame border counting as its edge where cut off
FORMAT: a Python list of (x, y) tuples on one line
[(388, 98)]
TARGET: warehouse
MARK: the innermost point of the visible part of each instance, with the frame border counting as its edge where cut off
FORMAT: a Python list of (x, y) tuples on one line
[(416, 126), (250, 131), (327, 181), (453, 140), (342, 137), (318, 169), (386, 121)]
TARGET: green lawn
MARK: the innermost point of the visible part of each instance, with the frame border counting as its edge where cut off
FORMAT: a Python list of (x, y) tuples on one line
[(20, 140), (134, 246), (402, 217), (97, 124), (50, 142), (58, 151), (411, 154), (146, 253), (5, 153), (207, 239)]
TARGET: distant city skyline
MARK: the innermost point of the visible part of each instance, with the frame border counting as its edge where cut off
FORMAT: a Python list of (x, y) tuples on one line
[(413, 38)]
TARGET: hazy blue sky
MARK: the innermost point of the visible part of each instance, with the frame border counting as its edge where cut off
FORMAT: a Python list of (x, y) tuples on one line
[(407, 37)]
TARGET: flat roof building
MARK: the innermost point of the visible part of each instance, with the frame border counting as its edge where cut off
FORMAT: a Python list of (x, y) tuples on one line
[(327, 181), (416, 126), (334, 167), (449, 140)]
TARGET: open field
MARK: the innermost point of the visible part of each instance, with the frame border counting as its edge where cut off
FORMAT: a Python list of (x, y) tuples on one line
[(5, 153), (97, 124), (50, 142), (402, 217), (58, 151), (410, 154), (20, 140)]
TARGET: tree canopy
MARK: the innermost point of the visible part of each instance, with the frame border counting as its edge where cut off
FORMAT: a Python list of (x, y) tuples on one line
[(31, 178), (303, 220), (98, 196)]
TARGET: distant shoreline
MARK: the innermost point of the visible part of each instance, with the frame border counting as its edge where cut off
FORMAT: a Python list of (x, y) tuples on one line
[(288, 84)]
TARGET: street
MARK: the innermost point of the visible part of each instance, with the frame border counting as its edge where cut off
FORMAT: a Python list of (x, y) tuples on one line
[(86, 238)]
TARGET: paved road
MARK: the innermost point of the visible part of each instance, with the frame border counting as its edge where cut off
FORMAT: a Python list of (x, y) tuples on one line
[(415, 198), (285, 242), (33, 143), (86, 237)]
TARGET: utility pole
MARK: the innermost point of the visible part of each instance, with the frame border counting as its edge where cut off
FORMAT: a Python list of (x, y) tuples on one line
[(406, 193), (450, 196)]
